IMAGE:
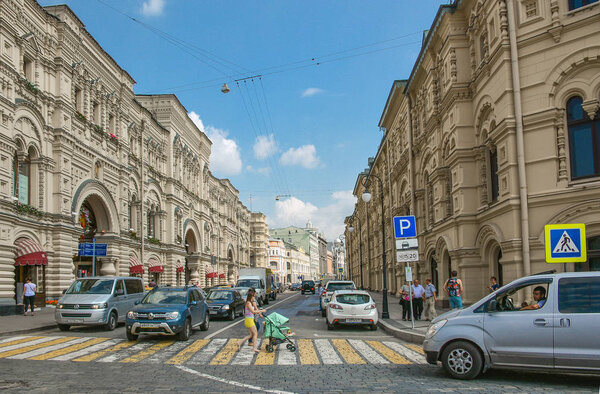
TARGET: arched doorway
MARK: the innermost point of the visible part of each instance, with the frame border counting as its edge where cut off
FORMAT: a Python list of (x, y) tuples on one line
[(30, 262), (94, 219), (230, 267), (191, 247), (435, 277), (498, 266)]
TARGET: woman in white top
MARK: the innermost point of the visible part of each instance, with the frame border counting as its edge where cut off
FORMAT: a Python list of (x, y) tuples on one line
[(28, 294)]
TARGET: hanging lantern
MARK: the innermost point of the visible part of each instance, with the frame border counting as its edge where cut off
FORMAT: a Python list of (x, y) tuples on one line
[(225, 88)]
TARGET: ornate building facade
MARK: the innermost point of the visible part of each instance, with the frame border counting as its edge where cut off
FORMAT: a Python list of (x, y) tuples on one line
[(489, 139), (83, 158)]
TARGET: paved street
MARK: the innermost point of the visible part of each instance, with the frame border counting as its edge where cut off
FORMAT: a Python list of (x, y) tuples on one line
[(351, 359)]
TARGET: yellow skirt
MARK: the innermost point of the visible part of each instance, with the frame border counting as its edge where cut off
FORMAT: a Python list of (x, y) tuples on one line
[(249, 322)]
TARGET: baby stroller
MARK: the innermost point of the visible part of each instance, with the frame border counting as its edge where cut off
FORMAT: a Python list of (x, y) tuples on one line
[(276, 332)]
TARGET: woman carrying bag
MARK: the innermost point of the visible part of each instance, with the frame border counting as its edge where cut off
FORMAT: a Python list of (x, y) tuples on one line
[(29, 294)]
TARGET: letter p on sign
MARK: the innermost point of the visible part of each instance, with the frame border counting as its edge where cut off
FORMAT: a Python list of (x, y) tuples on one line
[(405, 227)]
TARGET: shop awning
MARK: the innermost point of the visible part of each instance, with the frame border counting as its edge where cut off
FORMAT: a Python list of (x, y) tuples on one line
[(221, 275), (154, 265), (179, 266), (29, 252), (135, 267), (210, 273)]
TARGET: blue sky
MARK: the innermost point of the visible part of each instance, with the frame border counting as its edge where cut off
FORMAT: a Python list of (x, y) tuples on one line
[(308, 129)]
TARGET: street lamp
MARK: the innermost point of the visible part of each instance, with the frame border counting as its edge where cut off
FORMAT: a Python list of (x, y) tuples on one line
[(366, 196), (351, 229)]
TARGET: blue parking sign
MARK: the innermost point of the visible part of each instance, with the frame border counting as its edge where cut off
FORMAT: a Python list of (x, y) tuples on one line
[(405, 227)]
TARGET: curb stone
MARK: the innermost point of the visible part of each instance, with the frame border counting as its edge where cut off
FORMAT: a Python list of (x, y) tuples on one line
[(406, 335)]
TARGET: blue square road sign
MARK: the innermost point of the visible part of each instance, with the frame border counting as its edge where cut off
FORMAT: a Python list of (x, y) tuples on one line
[(405, 227)]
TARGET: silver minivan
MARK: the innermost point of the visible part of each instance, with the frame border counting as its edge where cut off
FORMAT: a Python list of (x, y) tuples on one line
[(545, 322), (98, 300)]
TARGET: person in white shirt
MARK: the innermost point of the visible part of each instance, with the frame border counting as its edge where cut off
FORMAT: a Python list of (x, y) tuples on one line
[(28, 294), (430, 299), (418, 297)]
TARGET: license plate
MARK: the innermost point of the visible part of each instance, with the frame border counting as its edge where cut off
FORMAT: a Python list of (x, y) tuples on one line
[(353, 320), (213, 312), (74, 320), (148, 325)]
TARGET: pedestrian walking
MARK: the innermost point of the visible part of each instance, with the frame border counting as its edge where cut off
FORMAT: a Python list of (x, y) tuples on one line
[(418, 298), (256, 322), (249, 311), (405, 301), (430, 299), (493, 284), (454, 288), (29, 295)]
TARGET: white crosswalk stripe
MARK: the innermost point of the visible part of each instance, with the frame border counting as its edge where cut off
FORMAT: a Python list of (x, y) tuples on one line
[(327, 352), (407, 353), (367, 352), (124, 353), (165, 354), (245, 356), (10, 339), (284, 356), (205, 355), (28, 343), (88, 350), (48, 349)]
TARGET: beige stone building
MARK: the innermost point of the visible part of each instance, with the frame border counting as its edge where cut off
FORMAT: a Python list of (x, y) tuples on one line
[(493, 135), (82, 157), (259, 237)]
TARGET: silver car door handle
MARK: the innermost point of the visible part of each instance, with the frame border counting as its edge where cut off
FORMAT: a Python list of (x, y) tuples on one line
[(565, 322), (540, 322)]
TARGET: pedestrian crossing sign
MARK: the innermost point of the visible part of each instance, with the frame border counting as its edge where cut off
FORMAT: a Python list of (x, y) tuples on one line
[(565, 243)]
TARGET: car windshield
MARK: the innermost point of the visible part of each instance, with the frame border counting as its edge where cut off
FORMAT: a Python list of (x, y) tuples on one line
[(340, 286), (220, 295), (165, 297), (248, 283), (91, 286), (309, 283), (353, 299)]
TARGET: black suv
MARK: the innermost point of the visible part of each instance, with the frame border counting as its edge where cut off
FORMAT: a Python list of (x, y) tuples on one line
[(308, 286)]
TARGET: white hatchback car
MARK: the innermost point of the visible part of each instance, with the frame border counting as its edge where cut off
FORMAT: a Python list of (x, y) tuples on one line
[(351, 307)]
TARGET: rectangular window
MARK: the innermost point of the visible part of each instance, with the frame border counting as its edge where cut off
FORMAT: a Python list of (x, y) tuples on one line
[(579, 295), (23, 182), (494, 190), (96, 113), (28, 68), (78, 100), (582, 150), (574, 4)]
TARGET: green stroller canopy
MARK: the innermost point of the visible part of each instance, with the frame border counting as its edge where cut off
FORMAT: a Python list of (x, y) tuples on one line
[(277, 319)]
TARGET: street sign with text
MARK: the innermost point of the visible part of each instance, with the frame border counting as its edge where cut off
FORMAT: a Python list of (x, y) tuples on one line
[(407, 255), (408, 273), (405, 227), (407, 244), (87, 249)]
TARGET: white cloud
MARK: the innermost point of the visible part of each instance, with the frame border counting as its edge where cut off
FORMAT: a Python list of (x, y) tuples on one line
[(305, 156), (260, 170), (265, 146), (328, 219), (225, 157), (311, 92), (153, 7)]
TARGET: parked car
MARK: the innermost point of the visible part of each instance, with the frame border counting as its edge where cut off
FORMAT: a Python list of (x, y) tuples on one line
[(98, 300), (225, 303), (506, 330), (243, 291), (295, 287), (169, 311), (330, 287), (351, 307)]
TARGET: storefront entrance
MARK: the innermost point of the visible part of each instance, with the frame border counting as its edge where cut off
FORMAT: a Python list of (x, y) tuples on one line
[(30, 262)]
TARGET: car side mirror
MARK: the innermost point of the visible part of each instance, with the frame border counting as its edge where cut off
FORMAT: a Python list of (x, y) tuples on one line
[(193, 302), (492, 306), (137, 302)]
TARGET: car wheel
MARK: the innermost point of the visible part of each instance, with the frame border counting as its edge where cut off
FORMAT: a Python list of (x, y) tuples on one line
[(269, 348), (274, 296), (130, 336), (231, 315), (185, 334), (323, 313), (112, 321), (302, 293), (462, 360), (373, 327), (64, 327), (266, 300), (204, 326), (329, 325)]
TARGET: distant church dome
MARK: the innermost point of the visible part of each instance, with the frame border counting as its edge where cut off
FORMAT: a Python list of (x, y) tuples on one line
[(309, 224)]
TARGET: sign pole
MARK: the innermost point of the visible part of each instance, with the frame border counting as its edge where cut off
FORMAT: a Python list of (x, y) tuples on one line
[(410, 297), (94, 257)]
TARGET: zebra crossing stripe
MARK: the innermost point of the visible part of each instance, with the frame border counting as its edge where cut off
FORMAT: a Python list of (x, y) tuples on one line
[(188, 352), (264, 357), (206, 354), (17, 340), (147, 352), (29, 343), (226, 353), (367, 352), (407, 353), (308, 356), (88, 350), (45, 350), (168, 353), (122, 354), (327, 352), (68, 349), (348, 353), (416, 348), (388, 353), (245, 356), (284, 356), (11, 339), (102, 353), (25, 349)]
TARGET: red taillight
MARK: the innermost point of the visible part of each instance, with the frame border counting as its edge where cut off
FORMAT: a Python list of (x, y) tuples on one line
[(369, 307), (336, 306), (312, 288)]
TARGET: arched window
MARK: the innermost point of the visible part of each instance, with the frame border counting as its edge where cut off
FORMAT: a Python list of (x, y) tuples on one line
[(593, 254), (150, 219), (494, 190), (22, 177), (583, 140)]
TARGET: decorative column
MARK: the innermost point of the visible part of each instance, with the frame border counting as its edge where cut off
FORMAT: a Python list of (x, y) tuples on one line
[(107, 265), (193, 264)]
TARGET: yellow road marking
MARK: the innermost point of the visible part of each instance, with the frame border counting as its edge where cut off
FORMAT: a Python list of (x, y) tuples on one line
[(347, 352), (416, 348), (226, 354), (68, 349), (17, 341), (36, 346), (308, 356), (147, 352), (388, 353), (188, 352), (101, 353), (264, 357)]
